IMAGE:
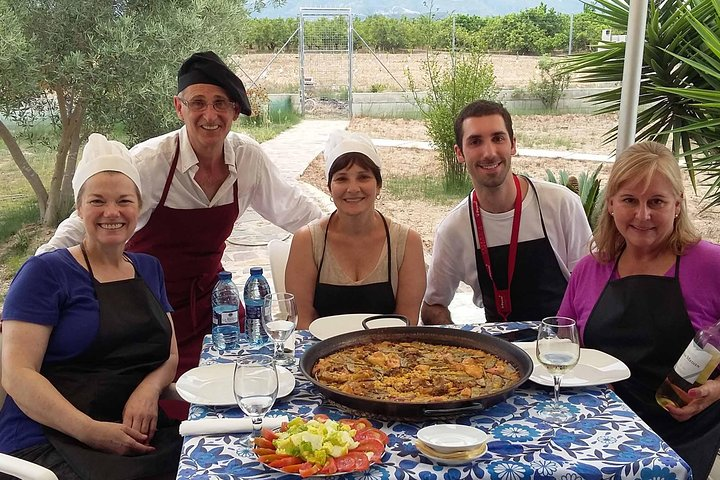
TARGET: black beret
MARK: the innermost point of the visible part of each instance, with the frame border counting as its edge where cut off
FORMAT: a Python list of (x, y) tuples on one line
[(206, 67)]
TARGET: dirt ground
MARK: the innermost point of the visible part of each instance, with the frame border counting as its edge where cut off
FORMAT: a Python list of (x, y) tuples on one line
[(383, 71), (555, 132)]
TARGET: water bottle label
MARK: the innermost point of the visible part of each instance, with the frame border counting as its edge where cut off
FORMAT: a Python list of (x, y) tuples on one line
[(228, 318), (252, 311), (692, 362)]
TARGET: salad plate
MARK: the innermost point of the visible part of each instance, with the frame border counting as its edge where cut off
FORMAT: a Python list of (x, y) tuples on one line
[(337, 452), (593, 368), (315, 475), (213, 384)]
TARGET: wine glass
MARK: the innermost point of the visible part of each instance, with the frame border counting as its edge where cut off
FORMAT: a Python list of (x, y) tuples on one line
[(558, 349), (255, 386), (279, 318)]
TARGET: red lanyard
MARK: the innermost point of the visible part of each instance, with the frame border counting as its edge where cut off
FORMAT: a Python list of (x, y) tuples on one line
[(502, 297)]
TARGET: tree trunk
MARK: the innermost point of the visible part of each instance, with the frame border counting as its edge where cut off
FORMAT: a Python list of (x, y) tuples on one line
[(30, 175), (67, 197), (71, 122)]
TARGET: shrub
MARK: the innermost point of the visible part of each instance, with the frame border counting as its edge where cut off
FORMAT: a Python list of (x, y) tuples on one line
[(470, 77), (553, 82), (259, 104), (587, 186)]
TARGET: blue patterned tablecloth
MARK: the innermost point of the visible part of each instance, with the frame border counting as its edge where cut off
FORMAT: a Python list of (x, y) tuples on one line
[(607, 441)]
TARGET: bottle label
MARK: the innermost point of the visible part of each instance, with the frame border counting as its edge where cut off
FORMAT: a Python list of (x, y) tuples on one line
[(692, 362), (252, 311), (226, 318)]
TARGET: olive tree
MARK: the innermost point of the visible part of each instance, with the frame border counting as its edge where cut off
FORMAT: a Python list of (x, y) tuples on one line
[(94, 65)]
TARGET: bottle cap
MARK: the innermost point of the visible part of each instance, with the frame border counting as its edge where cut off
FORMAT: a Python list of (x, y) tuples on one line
[(256, 271), (224, 275)]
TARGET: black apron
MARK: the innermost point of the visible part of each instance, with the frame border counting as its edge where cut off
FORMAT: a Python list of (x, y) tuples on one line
[(133, 339), (538, 284), (642, 320), (339, 299)]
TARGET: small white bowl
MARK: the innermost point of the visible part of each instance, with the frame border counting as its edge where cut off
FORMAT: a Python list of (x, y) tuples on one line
[(448, 438)]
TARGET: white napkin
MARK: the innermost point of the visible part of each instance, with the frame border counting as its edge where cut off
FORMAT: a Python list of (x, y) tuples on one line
[(213, 426)]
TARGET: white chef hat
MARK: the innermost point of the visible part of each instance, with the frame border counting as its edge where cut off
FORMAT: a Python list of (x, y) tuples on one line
[(340, 142), (103, 155)]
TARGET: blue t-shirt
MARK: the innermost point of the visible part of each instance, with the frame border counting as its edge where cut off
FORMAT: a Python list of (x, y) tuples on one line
[(53, 289)]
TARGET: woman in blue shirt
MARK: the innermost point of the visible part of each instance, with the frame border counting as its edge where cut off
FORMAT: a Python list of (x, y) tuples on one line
[(88, 342)]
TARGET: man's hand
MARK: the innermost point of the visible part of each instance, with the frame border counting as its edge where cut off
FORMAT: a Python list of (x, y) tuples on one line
[(702, 397), (435, 314), (141, 412)]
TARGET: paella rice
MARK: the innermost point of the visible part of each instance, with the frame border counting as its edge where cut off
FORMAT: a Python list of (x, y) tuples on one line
[(416, 372)]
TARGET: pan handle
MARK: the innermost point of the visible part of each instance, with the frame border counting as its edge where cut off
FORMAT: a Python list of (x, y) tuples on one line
[(381, 317), (451, 411)]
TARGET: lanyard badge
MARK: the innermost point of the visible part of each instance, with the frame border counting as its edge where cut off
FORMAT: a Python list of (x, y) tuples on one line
[(503, 302)]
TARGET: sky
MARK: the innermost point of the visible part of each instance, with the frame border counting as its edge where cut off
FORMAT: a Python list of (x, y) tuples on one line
[(361, 8)]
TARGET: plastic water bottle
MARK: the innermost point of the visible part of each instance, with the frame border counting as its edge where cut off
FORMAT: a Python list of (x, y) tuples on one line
[(225, 306), (256, 288)]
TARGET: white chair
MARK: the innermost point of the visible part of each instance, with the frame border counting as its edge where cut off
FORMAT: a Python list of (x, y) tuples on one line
[(278, 252), (23, 469), (16, 467)]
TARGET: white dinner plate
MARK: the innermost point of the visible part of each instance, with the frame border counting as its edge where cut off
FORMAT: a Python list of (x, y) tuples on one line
[(328, 327), (593, 368), (213, 384)]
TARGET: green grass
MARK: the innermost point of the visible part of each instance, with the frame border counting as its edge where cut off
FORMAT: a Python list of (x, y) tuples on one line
[(431, 189), (280, 119), (15, 215), (548, 141)]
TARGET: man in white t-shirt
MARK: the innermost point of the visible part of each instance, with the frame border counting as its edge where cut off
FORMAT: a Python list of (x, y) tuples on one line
[(514, 241)]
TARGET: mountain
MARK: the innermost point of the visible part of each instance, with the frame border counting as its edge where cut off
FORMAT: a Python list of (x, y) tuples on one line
[(411, 8)]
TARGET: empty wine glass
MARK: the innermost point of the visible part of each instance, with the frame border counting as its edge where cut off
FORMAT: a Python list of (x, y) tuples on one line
[(279, 319), (255, 386), (558, 349)]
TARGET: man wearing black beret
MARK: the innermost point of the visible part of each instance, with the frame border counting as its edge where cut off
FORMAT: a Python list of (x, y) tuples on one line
[(197, 181)]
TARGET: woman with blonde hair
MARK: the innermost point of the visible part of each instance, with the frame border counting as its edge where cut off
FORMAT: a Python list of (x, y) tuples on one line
[(649, 284), (355, 260)]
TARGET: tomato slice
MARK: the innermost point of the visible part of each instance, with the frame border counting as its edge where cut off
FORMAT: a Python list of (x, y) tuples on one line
[(272, 457), (361, 423), (292, 468), (285, 462), (330, 467), (263, 451), (362, 462), (268, 434), (373, 446), (264, 443), (321, 417), (356, 423), (372, 432), (308, 469), (284, 426), (345, 463)]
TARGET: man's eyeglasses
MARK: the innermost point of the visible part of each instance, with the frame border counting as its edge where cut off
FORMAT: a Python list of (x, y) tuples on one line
[(201, 105)]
